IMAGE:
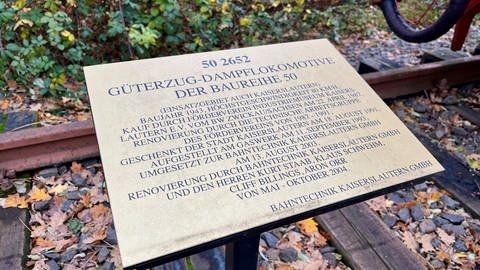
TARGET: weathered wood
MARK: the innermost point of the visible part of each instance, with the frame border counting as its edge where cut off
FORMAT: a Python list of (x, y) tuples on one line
[(457, 178), (442, 54), (365, 241), (356, 251), (12, 238), (369, 65), (388, 247), (467, 113)]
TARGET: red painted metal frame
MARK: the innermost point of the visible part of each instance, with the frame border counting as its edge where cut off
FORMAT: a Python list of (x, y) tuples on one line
[(463, 25), (34, 148)]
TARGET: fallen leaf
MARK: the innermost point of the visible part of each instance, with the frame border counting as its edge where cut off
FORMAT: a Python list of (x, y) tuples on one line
[(15, 200), (58, 189), (426, 242), (40, 265), (284, 267), (95, 237), (37, 194), (308, 226), (321, 240), (407, 204), (443, 254), (115, 253), (63, 244), (378, 203), (97, 195), (58, 218), (445, 237), (38, 231), (410, 241), (76, 167), (99, 210), (4, 104), (42, 242)]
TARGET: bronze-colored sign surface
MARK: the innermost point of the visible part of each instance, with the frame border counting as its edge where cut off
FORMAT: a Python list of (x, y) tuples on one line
[(198, 147)]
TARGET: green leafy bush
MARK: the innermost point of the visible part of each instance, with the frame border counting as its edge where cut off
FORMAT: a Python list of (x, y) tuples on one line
[(44, 43)]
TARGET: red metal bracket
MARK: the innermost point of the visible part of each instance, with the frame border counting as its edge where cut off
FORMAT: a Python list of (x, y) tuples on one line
[(463, 25)]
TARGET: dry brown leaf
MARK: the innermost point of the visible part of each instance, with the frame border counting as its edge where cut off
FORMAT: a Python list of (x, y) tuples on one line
[(115, 254), (86, 199), (39, 231), (445, 237), (426, 241), (58, 189), (40, 265), (320, 240), (284, 267), (58, 218), (378, 203), (76, 167), (37, 194), (63, 244), (15, 200), (407, 204), (422, 196), (308, 226), (99, 210), (4, 104), (42, 242), (443, 254), (97, 196), (410, 241), (95, 237), (96, 179)]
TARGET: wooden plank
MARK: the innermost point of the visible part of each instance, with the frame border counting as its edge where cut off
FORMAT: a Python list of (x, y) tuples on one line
[(375, 64), (356, 251), (467, 113), (441, 54), (12, 238), (388, 247), (457, 178)]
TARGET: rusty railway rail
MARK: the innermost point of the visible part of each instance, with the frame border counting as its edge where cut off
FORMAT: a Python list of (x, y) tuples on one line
[(34, 148)]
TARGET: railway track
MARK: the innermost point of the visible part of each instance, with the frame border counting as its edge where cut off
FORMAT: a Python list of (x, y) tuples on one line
[(364, 240)]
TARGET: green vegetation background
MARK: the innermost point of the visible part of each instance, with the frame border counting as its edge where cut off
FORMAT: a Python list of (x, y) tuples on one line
[(45, 43)]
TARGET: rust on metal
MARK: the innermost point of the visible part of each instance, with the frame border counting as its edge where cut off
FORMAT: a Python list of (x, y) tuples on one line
[(34, 148), (404, 81)]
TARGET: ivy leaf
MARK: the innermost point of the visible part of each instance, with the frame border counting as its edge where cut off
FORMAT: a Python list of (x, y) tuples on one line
[(75, 225)]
